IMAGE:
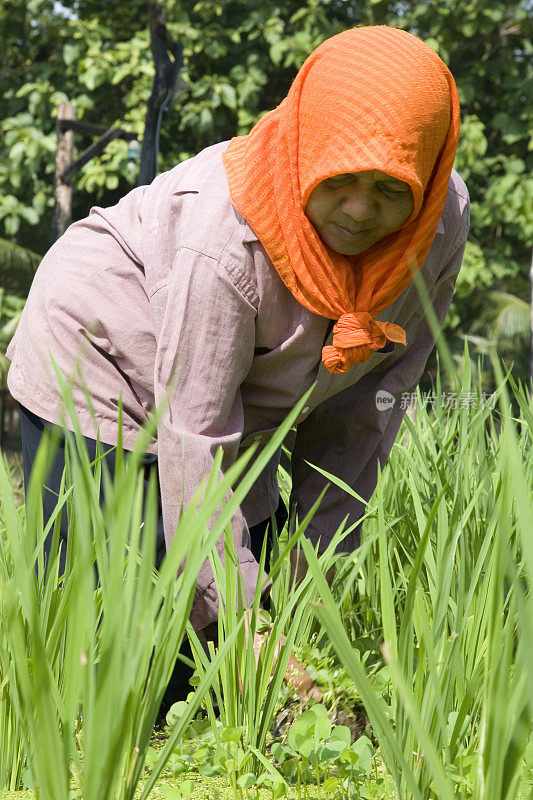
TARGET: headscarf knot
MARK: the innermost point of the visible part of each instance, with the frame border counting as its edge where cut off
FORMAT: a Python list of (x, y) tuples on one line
[(355, 337)]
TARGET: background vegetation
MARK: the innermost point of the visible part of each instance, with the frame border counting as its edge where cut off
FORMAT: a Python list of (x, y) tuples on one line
[(239, 59)]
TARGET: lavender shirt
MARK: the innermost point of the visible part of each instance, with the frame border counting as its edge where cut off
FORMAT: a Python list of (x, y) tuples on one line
[(172, 285)]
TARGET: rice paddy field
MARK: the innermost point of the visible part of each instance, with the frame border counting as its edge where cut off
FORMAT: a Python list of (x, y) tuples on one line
[(422, 647)]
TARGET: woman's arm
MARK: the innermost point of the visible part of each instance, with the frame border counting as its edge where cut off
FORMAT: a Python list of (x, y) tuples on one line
[(204, 323)]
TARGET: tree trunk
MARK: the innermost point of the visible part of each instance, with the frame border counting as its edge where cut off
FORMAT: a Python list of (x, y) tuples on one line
[(63, 191)]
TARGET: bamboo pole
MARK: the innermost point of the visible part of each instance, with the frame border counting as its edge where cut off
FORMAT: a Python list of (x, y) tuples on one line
[(166, 72)]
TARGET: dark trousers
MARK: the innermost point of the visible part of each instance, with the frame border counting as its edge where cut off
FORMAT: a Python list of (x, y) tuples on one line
[(32, 428)]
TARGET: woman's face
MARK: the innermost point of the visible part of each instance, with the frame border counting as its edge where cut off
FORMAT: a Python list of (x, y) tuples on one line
[(353, 211)]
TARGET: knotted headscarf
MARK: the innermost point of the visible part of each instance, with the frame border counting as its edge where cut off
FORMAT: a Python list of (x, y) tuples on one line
[(369, 98)]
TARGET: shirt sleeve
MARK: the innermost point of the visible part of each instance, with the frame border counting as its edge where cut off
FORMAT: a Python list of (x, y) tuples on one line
[(348, 436), (204, 322)]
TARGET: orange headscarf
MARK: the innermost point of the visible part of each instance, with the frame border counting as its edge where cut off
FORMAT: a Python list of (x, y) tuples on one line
[(368, 98)]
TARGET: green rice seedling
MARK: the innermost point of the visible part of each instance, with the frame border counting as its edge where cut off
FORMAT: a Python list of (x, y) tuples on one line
[(508, 707), (12, 759), (459, 605), (375, 707), (251, 710), (87, 664), (447, 570), (107, 651), (248, 684)]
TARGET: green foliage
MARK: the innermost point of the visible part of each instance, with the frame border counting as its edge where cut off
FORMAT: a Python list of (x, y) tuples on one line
[(17, 268), (317, 751), (10, 311), (315, 754), (445, 581), (83, 669), (239, 60), (443, 578), (506, 324), (70, 652)]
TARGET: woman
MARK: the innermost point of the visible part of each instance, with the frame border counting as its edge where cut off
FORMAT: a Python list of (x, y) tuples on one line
[(243, 275)]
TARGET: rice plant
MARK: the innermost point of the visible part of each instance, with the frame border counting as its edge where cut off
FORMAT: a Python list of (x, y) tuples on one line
[(86, 660), (439, 591), (247, 686), (446, 583)]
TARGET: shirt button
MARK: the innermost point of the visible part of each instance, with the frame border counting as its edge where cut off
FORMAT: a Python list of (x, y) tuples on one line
[(305, 410)]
